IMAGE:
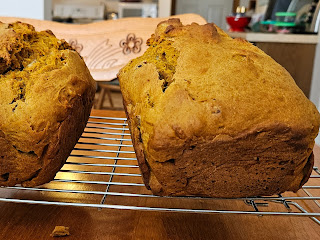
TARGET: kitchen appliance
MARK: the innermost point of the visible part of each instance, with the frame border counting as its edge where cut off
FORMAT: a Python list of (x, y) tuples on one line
[(307, 18), (314, 18), (78, 12), (137, 9)]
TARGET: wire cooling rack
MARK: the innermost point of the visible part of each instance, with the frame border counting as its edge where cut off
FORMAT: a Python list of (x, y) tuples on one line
[(102, 172)]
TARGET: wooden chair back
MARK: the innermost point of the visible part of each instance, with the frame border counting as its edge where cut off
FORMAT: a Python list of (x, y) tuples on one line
[(108, 45)]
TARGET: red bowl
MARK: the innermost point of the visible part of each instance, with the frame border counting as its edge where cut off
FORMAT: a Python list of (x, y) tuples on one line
[(238, 24)]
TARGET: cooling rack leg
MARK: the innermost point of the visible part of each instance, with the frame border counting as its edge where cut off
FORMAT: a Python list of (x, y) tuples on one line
[(310, 195), (307, 192), (255, 205), (304, 211)]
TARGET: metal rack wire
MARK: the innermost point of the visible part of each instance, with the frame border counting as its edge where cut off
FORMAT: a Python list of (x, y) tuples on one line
[(102, 172)]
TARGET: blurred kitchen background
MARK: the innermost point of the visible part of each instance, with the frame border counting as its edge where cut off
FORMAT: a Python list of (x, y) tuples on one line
[(287, 30), (285, 16), (282, 16)]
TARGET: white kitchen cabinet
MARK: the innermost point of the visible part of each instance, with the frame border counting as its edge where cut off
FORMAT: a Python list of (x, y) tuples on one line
[(164, 7), (37, 9)]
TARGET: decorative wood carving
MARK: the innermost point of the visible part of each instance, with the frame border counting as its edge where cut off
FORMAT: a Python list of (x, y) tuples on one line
[(131, 44), (75, 45), (105, 55)]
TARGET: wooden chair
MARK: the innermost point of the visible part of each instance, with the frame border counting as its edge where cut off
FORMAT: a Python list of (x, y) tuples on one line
[(108, 45)]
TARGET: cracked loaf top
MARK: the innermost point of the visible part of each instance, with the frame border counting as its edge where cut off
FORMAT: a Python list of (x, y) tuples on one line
[(200, 102), (46, 94)]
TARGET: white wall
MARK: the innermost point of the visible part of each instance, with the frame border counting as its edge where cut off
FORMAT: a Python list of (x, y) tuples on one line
[(37, 9)]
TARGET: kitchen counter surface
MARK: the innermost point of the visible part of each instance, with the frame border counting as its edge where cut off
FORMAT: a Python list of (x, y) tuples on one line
[(276, 37), (36, 221)]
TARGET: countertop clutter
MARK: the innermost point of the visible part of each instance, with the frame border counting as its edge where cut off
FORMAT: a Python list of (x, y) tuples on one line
[(38, 220), (288, 32), (284, 21)]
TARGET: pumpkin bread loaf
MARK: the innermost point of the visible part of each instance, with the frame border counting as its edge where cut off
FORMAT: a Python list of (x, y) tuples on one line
[(215, 116), (46, 94)]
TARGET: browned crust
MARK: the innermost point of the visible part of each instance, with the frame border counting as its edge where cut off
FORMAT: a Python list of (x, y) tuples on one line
[(64, 140), (307, 170), (138, 147), (260, 162)]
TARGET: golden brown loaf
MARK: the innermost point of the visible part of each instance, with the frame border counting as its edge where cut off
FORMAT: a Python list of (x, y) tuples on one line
[(46, 94), (215, 116)]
